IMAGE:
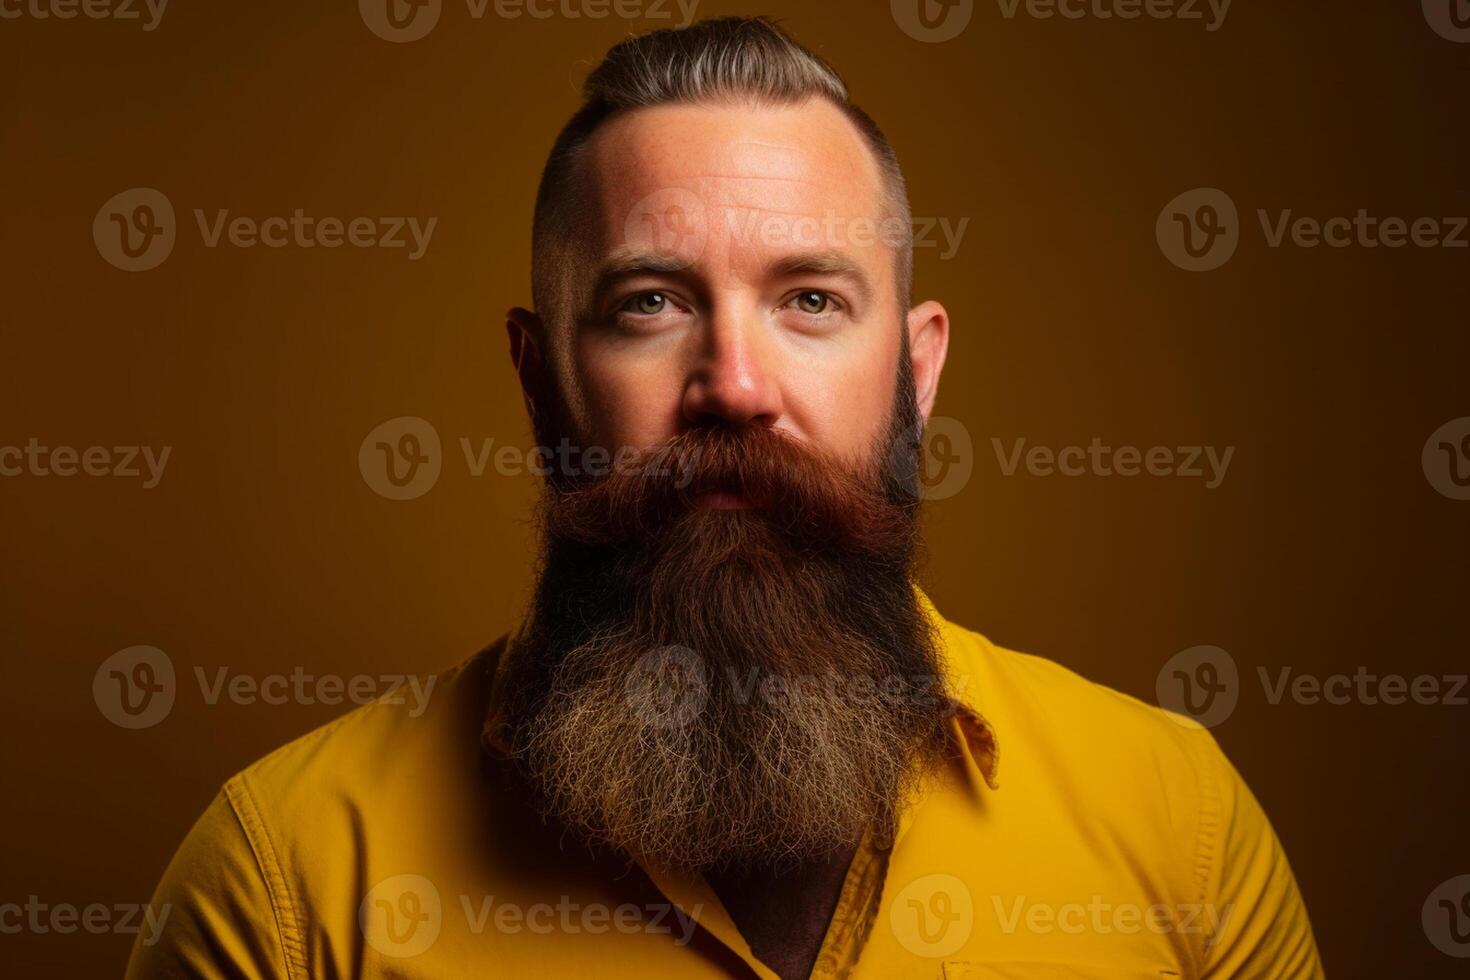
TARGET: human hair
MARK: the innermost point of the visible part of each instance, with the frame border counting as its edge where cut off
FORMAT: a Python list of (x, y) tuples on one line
[(718, 60)]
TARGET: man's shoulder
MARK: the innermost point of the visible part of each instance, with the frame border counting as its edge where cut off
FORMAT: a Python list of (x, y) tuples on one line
[(340, 787), (293, 831), (417, 713), (1047, 714)]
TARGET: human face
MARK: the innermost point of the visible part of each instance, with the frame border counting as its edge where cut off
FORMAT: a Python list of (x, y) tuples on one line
[(737, 267)]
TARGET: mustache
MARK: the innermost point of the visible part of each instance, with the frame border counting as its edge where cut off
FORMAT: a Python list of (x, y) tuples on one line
[(805, 495)]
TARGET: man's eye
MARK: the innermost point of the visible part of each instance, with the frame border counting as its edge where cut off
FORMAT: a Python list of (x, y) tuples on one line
[(647, 304), (813, 302)]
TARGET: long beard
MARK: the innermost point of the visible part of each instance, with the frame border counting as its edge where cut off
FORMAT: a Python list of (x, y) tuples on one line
[(731, 688)]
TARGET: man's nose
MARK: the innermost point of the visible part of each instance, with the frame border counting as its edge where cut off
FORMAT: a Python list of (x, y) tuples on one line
[(734, 381)]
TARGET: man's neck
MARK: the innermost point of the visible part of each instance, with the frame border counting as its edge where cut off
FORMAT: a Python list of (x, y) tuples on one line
[(784, 916)]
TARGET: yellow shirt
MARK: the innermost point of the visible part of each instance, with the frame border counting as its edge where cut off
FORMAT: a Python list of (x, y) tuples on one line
[(1118, 843)]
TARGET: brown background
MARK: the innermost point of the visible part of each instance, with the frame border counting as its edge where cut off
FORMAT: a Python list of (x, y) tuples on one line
[(264, 549)]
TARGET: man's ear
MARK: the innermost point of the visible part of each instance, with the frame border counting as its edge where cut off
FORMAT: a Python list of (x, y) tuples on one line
[(527, 338), (928, 325)]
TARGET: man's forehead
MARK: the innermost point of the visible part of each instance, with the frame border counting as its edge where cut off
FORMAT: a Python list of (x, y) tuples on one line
[(805, 159)]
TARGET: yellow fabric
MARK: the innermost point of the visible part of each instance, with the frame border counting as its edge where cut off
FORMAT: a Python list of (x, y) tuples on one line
[(1117, 842)]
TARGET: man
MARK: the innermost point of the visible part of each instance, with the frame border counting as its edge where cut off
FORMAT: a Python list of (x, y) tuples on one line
[(731, 738)]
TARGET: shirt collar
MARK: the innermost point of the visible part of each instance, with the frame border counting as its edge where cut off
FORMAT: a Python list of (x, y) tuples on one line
[(974, 735)]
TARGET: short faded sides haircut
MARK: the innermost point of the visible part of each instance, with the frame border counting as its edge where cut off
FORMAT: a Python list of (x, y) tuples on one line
[(728, 59)]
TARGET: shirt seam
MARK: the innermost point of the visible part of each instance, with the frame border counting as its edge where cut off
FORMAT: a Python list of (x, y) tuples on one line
[(1207, 839), (252, 822)]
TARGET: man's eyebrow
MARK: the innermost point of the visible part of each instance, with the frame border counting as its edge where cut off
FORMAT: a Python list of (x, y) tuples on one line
[(626, 262), (824, 263)]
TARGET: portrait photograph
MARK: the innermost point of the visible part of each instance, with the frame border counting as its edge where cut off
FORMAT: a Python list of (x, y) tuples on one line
[(688, 489)]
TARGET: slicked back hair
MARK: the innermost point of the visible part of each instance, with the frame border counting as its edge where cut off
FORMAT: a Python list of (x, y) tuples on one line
[(727, 59)]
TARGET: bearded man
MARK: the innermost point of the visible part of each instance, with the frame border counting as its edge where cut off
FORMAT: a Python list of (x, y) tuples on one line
[(731, 737)]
